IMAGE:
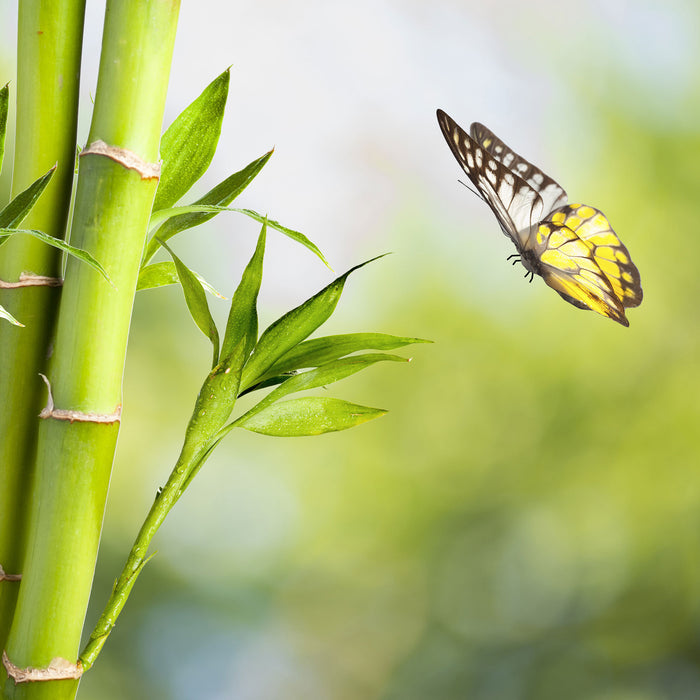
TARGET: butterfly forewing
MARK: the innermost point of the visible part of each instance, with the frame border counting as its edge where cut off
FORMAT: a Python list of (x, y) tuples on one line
[(553, 194), (516, 204)]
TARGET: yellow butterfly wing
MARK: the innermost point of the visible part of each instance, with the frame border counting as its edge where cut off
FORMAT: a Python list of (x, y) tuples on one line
[(582, 258)]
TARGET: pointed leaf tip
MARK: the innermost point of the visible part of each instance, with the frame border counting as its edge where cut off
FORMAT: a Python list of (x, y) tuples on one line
[(188, 145)]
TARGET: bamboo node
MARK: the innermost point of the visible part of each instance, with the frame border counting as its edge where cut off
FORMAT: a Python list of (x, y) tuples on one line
[(29, 279), (9, 577), (59, 669), (125, 157), (49, 411)]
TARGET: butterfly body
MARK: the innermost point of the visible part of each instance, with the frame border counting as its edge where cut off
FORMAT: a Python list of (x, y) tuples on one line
[(571, 246)]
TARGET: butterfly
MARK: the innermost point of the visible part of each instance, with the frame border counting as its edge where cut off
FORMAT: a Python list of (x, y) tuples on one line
[(572, 247)]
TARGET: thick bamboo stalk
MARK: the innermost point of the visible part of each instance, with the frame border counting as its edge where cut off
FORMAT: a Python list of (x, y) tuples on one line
[(116, 186)]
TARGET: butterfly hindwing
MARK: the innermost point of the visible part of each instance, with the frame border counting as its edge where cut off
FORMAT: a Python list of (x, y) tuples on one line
[(613, 258), (567, 264)]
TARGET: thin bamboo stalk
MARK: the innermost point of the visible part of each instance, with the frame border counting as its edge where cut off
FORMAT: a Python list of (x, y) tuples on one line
[(48, 73)]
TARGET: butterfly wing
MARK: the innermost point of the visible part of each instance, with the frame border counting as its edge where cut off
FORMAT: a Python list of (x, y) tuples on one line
[(610, 254), (552, 194), (568, 265), (516, 204)]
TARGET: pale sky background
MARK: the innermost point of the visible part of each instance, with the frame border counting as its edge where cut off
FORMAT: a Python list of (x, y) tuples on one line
[(347, 94)]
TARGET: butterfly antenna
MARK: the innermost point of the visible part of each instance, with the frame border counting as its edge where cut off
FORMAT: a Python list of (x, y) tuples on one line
[(472, 190)]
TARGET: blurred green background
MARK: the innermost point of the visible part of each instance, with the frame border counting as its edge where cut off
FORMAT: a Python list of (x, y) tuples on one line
[(525, 522)]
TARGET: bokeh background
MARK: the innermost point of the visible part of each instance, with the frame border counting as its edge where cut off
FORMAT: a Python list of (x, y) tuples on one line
[(525, 522)]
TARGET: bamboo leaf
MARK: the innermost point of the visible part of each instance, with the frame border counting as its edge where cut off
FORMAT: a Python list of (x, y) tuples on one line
[(318, 351), (188, 146), (321, 376), (291, 233), (16, 211), (296, 325), (188, 213), (162, 274), (196, 302), (177, 219), (242, 325), (309, 416), (81, 255), (4, 101), (4, 313)]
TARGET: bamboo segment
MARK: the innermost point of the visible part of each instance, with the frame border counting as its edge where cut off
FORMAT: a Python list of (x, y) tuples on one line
[(48, 72), (116, 187)]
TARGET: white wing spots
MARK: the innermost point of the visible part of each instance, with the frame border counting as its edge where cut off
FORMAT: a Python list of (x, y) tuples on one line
[(491, 177), (479, 157), (498, 149), (538, 178), (521, 167), (492, 164), (508, 159), (470, 160), (509, 178)]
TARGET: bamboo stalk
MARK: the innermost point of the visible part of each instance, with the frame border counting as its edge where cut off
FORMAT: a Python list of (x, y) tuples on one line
[(116, 187), (48, 72)]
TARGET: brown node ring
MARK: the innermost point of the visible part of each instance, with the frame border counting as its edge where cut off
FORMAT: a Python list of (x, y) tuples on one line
[(29, 279), (49, 411), (125, 157), (58, 670)]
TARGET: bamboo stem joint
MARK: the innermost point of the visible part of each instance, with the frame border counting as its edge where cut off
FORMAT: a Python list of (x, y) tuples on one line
[(64, 414), (28, 279), (59, 669), (125, 157)]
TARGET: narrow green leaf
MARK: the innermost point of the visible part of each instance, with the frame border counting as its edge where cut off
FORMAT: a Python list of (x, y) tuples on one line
[(318, 351), (291, 233), (309, 416), (321, 376), (164, 273), (81, 255), (179, 219), (242, 325), (185, 217), (4, 101), (4, 313), (16, 211), (188, 146), (196, 302), (296, 325)]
